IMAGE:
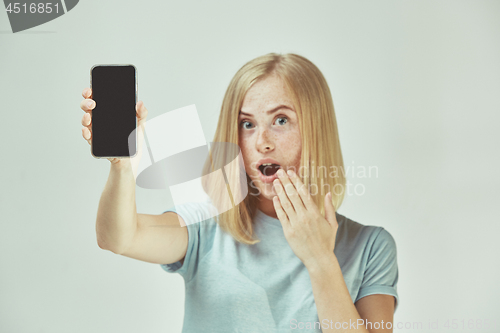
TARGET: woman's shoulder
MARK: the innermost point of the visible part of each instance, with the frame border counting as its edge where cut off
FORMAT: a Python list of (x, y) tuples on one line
[(354, 233), (194, 212)]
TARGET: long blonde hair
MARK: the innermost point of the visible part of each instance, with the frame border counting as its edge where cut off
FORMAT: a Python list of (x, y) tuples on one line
[(318, 127)]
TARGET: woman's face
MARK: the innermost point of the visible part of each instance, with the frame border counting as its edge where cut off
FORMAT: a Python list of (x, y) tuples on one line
[(268, 129)]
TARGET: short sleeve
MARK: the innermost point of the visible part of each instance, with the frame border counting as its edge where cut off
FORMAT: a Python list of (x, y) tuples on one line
[(381, 271), (201, 231)]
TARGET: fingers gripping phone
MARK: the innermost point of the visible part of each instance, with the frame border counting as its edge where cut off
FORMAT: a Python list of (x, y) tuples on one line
[(114, 90)]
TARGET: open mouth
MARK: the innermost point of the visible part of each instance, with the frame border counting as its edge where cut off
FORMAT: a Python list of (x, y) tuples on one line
[(269, 169)]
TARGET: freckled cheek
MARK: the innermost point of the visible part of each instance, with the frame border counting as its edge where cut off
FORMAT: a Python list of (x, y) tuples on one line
[(292, 148), (292, 142)]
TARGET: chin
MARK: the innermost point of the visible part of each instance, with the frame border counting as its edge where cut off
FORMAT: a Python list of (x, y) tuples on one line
[(267, 191)]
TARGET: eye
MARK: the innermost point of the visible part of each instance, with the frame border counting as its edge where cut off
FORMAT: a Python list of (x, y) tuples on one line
[(242, 124), (282, 118)]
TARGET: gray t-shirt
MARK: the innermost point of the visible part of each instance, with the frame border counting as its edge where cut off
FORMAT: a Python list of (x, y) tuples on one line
[(233, 287)]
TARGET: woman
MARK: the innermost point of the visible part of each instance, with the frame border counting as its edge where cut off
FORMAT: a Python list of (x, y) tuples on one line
[(282, 259)]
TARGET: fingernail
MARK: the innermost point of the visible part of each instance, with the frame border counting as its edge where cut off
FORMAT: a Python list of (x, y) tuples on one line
[(290, 173), (280, 172), (90, 104)]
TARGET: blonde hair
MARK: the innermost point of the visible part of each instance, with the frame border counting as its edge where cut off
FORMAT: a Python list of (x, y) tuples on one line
[(318, 127)]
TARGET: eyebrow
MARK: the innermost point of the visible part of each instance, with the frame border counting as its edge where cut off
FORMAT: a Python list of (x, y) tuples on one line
[(282, 106)]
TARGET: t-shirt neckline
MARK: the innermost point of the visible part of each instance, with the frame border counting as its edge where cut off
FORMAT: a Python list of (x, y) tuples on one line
[(261, 216)]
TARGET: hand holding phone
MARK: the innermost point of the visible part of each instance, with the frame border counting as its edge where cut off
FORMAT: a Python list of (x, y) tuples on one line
[(88, 104)]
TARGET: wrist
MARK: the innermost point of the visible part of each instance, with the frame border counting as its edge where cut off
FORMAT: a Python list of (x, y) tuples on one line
[(323, 263), (121, 169), (120, 165)]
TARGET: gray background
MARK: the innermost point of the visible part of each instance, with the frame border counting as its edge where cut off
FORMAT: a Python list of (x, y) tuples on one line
[(415, 86)]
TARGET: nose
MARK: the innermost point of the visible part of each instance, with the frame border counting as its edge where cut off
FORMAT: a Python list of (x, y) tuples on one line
[(265, 142)]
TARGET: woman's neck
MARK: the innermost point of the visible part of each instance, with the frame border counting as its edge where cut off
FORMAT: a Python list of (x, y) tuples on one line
[(267, 207)]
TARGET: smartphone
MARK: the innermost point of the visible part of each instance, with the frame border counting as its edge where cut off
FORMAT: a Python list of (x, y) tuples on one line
[(114, 90)]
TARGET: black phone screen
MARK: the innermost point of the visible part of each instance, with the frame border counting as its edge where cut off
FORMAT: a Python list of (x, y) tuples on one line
[(114, 91)]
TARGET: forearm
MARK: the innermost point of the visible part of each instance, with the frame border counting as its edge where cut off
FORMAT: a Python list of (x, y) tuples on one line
[(336, 311), (116, 221)]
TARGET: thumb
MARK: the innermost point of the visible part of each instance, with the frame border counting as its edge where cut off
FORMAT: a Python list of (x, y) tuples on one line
[(141, 113), (330, 209)]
